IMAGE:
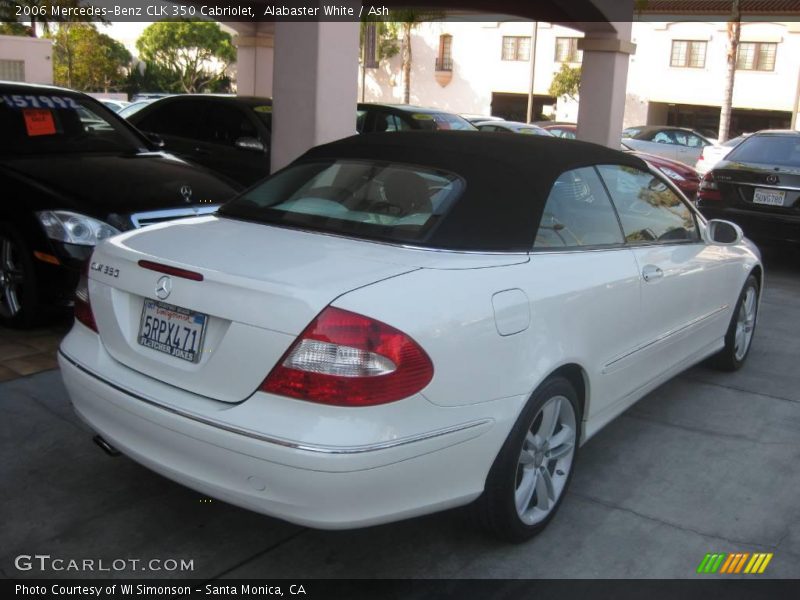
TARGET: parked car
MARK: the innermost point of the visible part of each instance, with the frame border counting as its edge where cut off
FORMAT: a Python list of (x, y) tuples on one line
[(675, 143), (681, 174), (134, 107), (479, 118), (757, 185), (714, 153), (73, 173), (560, 129), (511, 127), (114, 105), (399, 117), (227, 134), (400, 323)]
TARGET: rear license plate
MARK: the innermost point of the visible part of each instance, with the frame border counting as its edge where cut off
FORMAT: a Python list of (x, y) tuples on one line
[(770, 197), (172, 330)]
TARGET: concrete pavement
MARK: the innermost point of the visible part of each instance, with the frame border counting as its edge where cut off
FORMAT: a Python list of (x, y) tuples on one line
[(709, 462)]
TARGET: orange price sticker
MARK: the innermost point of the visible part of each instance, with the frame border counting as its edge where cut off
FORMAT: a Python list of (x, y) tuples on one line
[(39, 121)]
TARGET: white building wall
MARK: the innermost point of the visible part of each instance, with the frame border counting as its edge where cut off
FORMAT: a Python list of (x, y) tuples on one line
[(478, 69), (652, 78), (477, 66), (35, 53)]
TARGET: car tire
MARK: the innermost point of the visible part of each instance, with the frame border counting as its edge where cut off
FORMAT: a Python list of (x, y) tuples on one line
[(19, 300), (530, 475), (739, 337)]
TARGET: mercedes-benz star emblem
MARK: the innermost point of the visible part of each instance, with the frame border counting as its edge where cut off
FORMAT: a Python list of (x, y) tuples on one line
[(773, 179), (186, 192), (163, 287)]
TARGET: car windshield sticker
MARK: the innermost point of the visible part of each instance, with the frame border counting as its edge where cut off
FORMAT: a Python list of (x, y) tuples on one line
[(19, 101), (422, 117), (262, 109), (39, 121)]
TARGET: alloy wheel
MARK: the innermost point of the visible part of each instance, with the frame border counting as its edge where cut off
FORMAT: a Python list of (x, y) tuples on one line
[(545, 460), (745, 323), (11, 278)]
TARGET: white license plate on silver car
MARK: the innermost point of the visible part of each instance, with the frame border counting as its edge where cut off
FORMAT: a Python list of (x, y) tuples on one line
[(172, 330), (770, 197)]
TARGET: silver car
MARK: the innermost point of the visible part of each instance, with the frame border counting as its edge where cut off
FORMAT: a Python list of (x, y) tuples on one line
[(676, 143)]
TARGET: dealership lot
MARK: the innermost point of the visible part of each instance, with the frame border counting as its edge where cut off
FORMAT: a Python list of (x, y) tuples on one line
[(709, 462)]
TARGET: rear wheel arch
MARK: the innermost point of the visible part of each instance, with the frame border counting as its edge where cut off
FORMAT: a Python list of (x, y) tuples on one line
[(758, 273), (577, 376)]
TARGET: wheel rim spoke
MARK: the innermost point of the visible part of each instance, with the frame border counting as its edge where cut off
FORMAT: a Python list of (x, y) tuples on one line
[(6, 255), (10, 300), (550, 414), (524, 493), (545, 494), (745, 321), (561, 443)]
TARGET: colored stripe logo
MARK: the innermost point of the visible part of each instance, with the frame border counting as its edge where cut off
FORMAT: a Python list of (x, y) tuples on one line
[(735, 562)]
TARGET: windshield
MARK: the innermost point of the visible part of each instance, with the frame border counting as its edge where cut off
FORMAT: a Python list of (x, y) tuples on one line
[(781, 150), (368, 199), (442, 121), (60, 124)]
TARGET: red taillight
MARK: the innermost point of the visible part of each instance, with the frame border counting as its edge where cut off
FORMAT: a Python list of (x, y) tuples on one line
[(346, 359), (83, 307), (708, 189), (174, 271)]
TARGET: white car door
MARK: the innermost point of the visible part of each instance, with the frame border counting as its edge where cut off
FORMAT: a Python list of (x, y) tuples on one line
[(584, 285), (689, 147), (684, 282)]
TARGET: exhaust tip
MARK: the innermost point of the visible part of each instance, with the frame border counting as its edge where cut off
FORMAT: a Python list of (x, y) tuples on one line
[(105, 446)]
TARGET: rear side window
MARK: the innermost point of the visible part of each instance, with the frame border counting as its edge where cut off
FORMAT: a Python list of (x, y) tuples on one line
[(648, 209), (442, 121), (783, 150), (379, 200), (578, 212)]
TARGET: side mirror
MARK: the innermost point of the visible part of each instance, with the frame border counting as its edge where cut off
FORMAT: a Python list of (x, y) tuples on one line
[(723, 233), (250, 143), (155, 139)]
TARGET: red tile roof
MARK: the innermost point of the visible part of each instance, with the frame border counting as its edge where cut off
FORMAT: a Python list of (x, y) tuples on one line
[(719, 7)]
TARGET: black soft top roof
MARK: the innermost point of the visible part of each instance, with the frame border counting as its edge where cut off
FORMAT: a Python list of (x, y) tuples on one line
[(508, 178)]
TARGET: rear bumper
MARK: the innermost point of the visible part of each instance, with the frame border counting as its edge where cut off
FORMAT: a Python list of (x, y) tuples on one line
[(324, 485), (759, 227)]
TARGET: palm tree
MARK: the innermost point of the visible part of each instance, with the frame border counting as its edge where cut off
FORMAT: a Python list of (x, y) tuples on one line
[(734, 30)]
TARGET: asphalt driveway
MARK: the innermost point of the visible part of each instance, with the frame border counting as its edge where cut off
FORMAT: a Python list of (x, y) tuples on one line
[(709, 462)]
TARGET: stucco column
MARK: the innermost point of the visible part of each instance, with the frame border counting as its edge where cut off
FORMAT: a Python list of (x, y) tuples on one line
[(254, 61), (315, 86), (604, 76)]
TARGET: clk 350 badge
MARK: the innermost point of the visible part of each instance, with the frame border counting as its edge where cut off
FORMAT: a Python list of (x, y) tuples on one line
[(104, 269)]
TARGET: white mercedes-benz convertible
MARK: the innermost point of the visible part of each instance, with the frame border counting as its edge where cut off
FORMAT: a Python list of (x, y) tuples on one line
[(400, 323)]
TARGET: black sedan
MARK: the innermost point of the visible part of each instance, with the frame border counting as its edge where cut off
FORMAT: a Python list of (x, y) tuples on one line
[(74, 173), (228, 134), (757, 185)]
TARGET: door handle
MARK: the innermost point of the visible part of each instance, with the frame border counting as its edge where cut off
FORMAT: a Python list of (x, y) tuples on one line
[(651, 273), (202, 151)]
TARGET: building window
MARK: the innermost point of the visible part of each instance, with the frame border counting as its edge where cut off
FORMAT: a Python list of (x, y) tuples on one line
[(687, 53), (444, 61), (516, 47), (12, 70), (567, 50), (370, 46), (756, 56)]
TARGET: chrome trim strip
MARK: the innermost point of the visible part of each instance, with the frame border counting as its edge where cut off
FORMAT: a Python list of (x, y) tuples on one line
[(280, 441), (762, 185), (172, 213), (664, 336)]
